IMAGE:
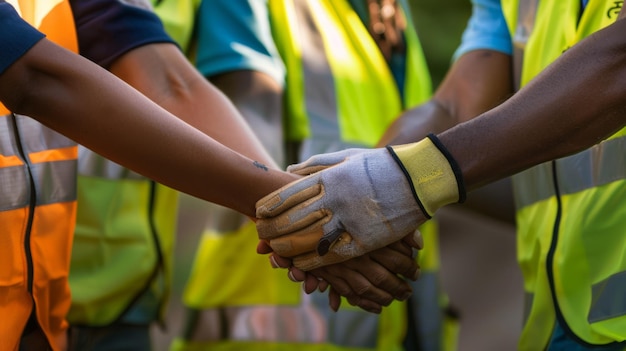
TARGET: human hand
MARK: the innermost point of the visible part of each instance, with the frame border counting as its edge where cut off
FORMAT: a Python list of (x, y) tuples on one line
[(370, 281), (358, 201)]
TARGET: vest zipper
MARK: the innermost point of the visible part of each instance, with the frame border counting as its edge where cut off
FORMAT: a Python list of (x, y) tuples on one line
[(159, 263), (550, 268), (31, 206), (159, 249)]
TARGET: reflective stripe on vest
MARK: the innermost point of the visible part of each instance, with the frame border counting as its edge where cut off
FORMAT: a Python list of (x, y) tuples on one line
[(524, 26), (332, 62), (121, 212), (305, 324), (37, 204), (570, 214)]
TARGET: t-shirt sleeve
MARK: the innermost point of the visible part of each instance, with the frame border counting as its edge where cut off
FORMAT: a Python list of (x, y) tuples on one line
[(107, 29), (486, 29), (16, 36), (236, 35)]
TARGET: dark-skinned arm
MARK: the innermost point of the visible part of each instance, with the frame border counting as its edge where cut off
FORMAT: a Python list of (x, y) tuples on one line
[(476, 82), (572, 105)]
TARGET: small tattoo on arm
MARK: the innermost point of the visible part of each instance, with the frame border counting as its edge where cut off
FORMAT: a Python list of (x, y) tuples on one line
[(257, 164)]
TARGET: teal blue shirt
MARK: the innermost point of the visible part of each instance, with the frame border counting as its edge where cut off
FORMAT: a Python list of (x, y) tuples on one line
[(236, 35)]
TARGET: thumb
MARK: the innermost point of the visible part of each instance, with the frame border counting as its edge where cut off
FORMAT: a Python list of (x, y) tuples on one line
[(320, 162)]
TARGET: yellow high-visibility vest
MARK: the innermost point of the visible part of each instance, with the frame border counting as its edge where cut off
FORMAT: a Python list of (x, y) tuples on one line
[(570, 212)]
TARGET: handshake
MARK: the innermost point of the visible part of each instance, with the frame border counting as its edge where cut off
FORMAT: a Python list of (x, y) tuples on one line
[(353, 202)]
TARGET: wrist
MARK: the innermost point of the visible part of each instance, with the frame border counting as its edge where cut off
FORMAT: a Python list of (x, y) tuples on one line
[(433, 174)]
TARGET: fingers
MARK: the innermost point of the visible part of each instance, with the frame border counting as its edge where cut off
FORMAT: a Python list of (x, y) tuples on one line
[(355, 288), (398, 258), (305, 170), (263, 247), (316, 163), (334, 299), (365, 283), (279, 262), (291, 221), (296, 244), (288, 196), (310, 282), (415, 240)]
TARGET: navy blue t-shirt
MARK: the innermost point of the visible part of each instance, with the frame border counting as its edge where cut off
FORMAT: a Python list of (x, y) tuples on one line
[(16, 36), (107, 29)]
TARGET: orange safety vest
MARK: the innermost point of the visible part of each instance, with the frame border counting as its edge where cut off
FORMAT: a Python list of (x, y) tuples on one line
[(37, 204)]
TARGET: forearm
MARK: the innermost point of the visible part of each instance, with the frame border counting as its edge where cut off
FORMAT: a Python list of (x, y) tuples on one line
[(476, 82), (572, 105), (86, 103), (163, 74), (260, 104)]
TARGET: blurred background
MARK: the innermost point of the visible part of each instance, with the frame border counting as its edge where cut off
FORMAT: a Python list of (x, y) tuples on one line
[(440, 24)]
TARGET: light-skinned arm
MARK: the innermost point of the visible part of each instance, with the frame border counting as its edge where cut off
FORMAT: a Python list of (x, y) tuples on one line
[(88, 104)]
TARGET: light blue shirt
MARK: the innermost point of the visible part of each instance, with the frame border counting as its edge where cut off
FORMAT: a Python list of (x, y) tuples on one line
[(486, 29)]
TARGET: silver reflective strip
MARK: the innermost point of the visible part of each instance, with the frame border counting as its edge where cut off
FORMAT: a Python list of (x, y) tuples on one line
[(600, 165), (93, 165), (310, 322), (55, 181), (533, 185), (319, 87), (7, 139), (36, 137), (608, 298), (526, 12), (275, 323), (348, 327), (528, 305), (14, 188)]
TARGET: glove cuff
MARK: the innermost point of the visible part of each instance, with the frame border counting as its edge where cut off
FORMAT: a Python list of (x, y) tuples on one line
[(435, 177)]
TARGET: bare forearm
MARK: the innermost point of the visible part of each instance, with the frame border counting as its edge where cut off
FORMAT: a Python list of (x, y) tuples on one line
[(572, 105), (476, 82), (86, 103), (163, 74)]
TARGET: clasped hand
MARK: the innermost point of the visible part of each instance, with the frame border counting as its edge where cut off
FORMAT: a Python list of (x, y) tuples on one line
[(349, 204)]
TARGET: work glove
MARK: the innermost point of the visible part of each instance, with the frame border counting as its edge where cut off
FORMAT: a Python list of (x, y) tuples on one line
[(356, 201)]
